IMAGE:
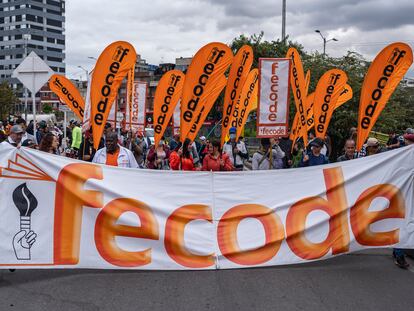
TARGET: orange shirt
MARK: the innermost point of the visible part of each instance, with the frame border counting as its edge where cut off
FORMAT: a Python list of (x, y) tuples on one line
[(112, 159)]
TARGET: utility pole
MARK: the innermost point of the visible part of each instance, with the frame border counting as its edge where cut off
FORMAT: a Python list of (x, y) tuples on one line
[(284, 21)]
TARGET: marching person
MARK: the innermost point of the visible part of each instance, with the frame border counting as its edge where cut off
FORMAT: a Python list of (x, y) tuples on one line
[(26, 135), (115, 155), (314, 156), (267, 157), (236, 151), (181, 158), (49, 144), (350, 153), (158, 156), (215, 160), (15, 136)]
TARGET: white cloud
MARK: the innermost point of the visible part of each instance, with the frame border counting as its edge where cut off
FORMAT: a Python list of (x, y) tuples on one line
[(162, 30)]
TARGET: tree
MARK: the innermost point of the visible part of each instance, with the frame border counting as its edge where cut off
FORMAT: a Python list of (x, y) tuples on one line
[(7, 100), (47, 108)]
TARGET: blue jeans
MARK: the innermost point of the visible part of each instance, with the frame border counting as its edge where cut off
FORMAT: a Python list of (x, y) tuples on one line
[(398, 252)]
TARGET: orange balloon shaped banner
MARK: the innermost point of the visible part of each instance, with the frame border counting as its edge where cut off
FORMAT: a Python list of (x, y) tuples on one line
[(203, 75), (247, 98), (239, 70), (383, 76), (68, 93), (327, 93), (111, 68), (167, 95), (207, 105), (298, 86)]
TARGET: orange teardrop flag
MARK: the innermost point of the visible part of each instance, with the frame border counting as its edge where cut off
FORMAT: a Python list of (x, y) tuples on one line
[(345, 96), (111, 68), (383, 76), (327, 94), (307, 81), (239, 70), (247, 98), (167, 95), (68, 93), (207, 104), (204, 73), (298, 86)]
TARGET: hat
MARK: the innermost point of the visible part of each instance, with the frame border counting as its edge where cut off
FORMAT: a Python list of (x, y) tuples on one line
[(409, 137), (203, 138), (409, 131), (17, 129), (233, 130), (317, 142), (372, 142), (28, 143)]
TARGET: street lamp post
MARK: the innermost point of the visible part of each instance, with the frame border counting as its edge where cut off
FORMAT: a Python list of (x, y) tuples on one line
[(26, 38), (325, 41)]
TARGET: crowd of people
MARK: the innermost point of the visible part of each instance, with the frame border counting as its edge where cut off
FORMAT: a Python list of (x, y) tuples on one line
[(135, 150)]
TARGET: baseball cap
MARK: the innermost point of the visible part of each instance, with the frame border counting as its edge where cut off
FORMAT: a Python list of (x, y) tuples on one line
[(203, 138), (409, 131), (372, 142), (233, 130), (317, 142), (17, 129)]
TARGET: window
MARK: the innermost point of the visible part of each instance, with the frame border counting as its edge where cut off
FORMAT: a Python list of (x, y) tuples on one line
[(54, 59), (55, 3), (51, 40), (37, 38), (60, 42), (54, 30), (54, 50), (53, 22)]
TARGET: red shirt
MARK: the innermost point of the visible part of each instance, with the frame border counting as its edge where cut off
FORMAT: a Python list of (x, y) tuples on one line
[(178, 163), (210, 163)]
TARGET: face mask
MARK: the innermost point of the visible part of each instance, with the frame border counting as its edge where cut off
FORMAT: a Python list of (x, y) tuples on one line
[(161, 143), (232, 136)]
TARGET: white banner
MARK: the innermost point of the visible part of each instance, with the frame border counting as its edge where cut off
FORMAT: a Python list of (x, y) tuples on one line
[(273, 98), (62, 213), (138, 110)]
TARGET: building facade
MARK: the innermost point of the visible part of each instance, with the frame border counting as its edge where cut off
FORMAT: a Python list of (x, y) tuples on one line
[(31, 25)]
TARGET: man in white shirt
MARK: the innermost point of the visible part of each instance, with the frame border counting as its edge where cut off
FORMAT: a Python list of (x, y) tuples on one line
[(15, 136), (115, 155)]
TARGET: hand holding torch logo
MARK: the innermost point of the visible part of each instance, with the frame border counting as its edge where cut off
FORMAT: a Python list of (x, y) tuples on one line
[(26, 203)]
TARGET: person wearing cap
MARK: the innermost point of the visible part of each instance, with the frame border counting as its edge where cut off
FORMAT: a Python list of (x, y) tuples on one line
[(41, 131), (15, 136), (371, 147), (26, 135), (314, 156), (236, 150), (264, 160), (115, 155)]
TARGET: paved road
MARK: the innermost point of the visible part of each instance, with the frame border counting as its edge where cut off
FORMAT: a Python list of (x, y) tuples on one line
[(364, 281)]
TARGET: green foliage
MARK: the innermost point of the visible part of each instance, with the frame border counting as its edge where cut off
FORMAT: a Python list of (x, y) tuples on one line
[(7, 100), (47, 109)]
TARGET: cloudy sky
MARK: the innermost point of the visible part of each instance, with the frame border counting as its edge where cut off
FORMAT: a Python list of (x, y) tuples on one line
[(162, 30)]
